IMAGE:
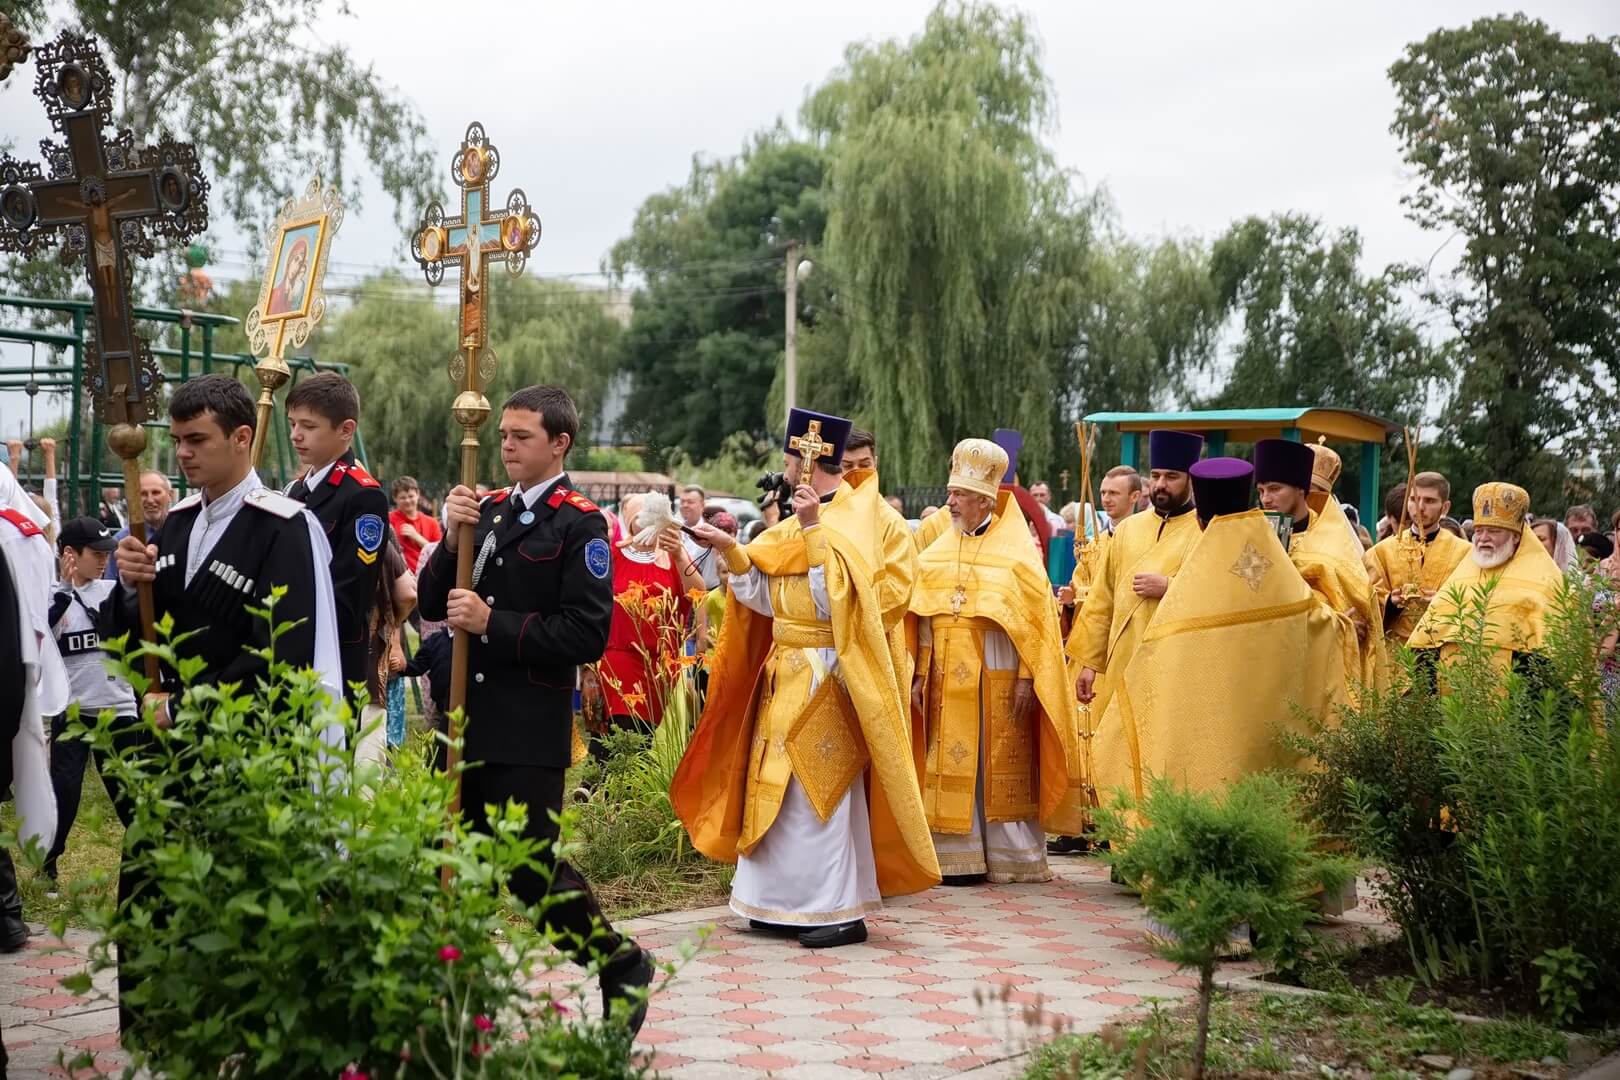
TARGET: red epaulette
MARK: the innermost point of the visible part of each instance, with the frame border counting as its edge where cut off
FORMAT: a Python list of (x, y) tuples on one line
[(558, 494), (24, 523), (580, 503), (499, 496), (357, 470)]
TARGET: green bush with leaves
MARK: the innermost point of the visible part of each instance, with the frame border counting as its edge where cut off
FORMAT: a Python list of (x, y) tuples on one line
[(291, 921), (1493, 805), (1207, 864)]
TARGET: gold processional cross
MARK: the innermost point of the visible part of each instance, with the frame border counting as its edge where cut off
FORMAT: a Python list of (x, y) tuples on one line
[(475, 239)]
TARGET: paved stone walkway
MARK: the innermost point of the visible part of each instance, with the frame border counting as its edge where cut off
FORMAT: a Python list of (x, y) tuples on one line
[(943, 987)]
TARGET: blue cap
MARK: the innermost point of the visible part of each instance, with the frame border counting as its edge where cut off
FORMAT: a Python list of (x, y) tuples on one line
[(1174, 450), (1283, 461), (1012, 442), (1221, 485), (833, 431)]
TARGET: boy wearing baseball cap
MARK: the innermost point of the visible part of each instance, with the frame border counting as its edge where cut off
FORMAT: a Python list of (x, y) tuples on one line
[(85, 546)]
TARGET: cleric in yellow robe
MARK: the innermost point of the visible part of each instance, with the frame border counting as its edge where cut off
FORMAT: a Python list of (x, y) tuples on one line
[(1326, 552), (1238, 647), (1002, 765), (1130, 579), (802, 769), (1408, 570), (1525, 582)]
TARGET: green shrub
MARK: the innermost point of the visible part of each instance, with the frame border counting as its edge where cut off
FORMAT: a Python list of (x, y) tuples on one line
[(1493, 806), (302, 930), (1207, 864)]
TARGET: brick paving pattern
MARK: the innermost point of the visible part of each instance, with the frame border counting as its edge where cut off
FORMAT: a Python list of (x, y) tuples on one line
[(940, 989)]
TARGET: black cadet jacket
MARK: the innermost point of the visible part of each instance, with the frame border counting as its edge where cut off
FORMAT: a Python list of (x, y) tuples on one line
[(548, 578), (265, 545), (353, 511)]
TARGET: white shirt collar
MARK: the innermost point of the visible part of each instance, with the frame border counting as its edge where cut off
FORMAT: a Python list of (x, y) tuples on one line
[(228, 503), (315, 476), (533, 495), (981, 528)]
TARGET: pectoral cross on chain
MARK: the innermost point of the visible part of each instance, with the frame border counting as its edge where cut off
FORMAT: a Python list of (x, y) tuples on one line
[(809, 447), (958, 598)]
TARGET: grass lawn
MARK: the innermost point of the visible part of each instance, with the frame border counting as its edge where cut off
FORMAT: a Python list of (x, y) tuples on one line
[(90, 861), (1351, 1035)]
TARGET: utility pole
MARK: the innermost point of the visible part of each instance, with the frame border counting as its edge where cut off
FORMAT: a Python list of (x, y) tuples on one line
[(791, 342)]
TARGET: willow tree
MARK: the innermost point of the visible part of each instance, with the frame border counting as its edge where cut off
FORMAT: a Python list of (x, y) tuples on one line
[(955, 243)]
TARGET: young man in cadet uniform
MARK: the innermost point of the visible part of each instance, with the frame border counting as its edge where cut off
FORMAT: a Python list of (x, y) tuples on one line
[(222, 551), (322, 412), (541, 605)]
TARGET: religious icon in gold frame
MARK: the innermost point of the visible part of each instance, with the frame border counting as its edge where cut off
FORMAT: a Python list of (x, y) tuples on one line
[(292, 298)]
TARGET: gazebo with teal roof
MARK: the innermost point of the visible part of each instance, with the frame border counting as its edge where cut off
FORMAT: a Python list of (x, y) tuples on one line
[(1218, 426)]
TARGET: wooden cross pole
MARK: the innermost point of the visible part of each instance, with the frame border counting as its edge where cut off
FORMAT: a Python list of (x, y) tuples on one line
[(809, 447), (475, 238), (100, 197)]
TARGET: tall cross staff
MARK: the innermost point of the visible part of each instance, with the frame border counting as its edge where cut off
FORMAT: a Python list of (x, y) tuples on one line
[(100, 197), (475, 238), (1086, 551)]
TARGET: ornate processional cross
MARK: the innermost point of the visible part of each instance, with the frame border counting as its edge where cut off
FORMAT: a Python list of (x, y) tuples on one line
[(809, 447), (476, 238), (100, 196)]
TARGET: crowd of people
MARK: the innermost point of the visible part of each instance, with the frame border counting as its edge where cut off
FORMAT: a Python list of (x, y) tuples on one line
[(886, 703)]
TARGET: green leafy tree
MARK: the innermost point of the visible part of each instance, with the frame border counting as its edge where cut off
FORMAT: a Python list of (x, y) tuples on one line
[(263, 100), (1312, 329), (955, 244), (398, 340), (706, 336), (1147, 320), (1514, 134)]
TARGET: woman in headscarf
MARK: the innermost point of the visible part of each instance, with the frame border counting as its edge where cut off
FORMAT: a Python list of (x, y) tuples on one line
[(1558, 541)]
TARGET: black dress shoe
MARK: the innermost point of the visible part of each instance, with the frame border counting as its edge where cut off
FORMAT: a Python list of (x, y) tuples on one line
[(830, 937), (628, 979), (776, 929), (13, 933), (964, 879), (1068, 845)]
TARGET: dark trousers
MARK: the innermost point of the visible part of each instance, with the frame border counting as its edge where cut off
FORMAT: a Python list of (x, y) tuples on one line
[(585, 930), (68, 760)]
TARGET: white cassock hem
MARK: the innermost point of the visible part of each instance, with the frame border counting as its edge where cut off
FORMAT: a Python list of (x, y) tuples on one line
[(806, 872)]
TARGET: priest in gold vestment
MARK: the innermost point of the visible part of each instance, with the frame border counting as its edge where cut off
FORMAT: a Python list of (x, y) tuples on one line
[(1524, 580), (802, 769), (1129, 580), (1407, 570), (1326, 552), (1002, 763), (1238, 647)]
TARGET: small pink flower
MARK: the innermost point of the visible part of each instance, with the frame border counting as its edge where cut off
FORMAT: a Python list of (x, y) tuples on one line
[(483, 1023), (558, 1007), (449, 954), (352, 1072)]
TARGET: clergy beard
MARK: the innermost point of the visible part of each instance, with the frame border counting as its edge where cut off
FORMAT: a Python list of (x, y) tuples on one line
[(1490, 560), (1165, 502)]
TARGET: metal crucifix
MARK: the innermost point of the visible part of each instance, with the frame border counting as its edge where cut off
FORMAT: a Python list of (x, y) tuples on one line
[(476, 238), (100, 197)]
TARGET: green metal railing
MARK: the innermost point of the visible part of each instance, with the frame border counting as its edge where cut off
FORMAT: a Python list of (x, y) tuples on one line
[(84, 477)]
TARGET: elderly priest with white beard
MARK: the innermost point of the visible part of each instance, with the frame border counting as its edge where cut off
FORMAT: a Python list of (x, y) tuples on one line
[(1524, 582)]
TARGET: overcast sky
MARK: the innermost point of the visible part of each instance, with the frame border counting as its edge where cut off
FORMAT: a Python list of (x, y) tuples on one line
[(1191, 113)]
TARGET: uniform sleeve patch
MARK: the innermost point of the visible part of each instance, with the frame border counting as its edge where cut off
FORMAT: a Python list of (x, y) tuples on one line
[(598, 560), (368, 532)]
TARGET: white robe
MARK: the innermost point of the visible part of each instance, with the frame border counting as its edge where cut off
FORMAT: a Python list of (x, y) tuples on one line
[(47, 684), (804, 871)]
